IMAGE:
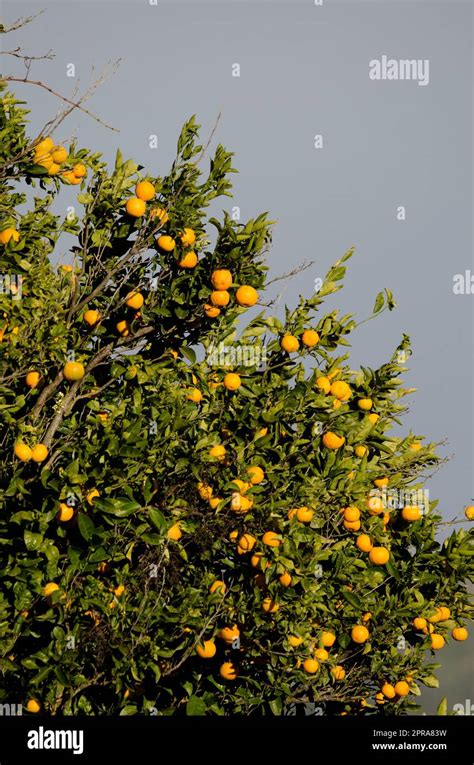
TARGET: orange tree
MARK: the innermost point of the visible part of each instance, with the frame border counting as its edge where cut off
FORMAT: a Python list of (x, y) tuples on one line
[(180, 534)]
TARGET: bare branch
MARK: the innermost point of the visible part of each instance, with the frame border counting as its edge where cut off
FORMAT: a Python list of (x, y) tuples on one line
[(17, 54), (289, 274), (21, 22)]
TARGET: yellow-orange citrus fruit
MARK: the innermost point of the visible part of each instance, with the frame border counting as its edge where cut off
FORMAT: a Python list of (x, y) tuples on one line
[(218, 586), (375, 505), (239, 503), (271, 539), (379, 556), (256, 474), (310, 338), (204, 490), (321, 654), (221, 279), (310, 666), (381, 483), (39, 453), (246, 296), (304, 514), (295, 640), (32, 379), (22, 451), (145, 191), (437, 641), (134, 300), (91, 317), (59, 154), (160, 214), (229, 634), (217, 451), (256, 559), (232, 381), (189, 260), (359, 633), (206, 650), (65, 512), (332, 440), (246, 543), (228, 671), (70, 178), (49, 588), (166, 243), (285, 579), (379, 698), (351, 513), (365, 404), (411, 513), (328, 639), (388, 691), (419, 623), (323, 384), (211, 311), (123, 328), (373, 417), (460, 634), (361, 451), (366, 617), (289, 343), (92, 495), (194, 395), (188, 237), (364, 543), (270, 606), (340, 390), (46, 144), (402, 688), (243, 486), (33, 706), (174, 532), (73, 370), (219, 298), (415, 446), (135, 207), (214, 502), (469, 512), (9, 233), (79, 170), (338, 672), (352, 525)]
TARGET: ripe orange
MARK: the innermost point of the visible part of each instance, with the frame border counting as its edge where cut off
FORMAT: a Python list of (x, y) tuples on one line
[(204, 490), (388, 691), (144, 190), (73, 371), (328, 639), (217, 586), (351, 514), (166, 243), (228, 671), (246, 296), (190, 260), (338, 672), (332, 440), (379, 556), (33, 706), (214, 502), (135, 207), (336, 404), (460, 634), (271, 539), (9, 233), (321, 654), (379, 698), (46, 144), (91, 317), (361, 451), (415, 446), (256, 559), (359, 633), (381, 483), (123, 328), (194, 395), (188, 237), (352, 525), (65, 512), (39, 453), (340, 390), (69, 176), (373, 417), (160, 214), (79, 170), (174, 532), (54, 169), (232, 381), (242, 486), (323, 384), (23, 452), (239, 503), (135, 300), (375, 505), (221, 279), (310, 666), (366, 617), (207, 649), (270, 606), (229, 634), (59, 154), (364, 543), (285, 579), (469, 512), (92, 495), (304, 514), (289, 343), (310, 338), (219, 298), (218, 451), (32, 379), (419, 623), (402, 688), (411, 513), (256, 474), (49, 588), (211, 311), (437, 641), (295, 640), (246, 543), (365, 404)]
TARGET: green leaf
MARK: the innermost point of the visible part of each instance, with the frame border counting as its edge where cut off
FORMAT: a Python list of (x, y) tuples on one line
[(276, 707), (379, 302), (353, 599), (157, 519), (195, 707), (430, 681), (442, 708), (32, 541), (86, 526)]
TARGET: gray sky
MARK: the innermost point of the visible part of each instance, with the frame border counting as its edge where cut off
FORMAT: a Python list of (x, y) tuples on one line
[(304, 70)]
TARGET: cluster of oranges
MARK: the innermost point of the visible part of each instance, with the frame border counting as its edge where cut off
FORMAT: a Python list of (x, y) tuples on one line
[(290, 343), (221, 280), (426, 626), (52, 157)]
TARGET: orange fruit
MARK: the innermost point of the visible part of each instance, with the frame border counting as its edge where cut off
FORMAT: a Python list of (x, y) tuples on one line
[(91, 317), (207, 649), (79, 170), (221, 279), (190, 260), (229, 634), (271, 539), (373, 417), (352, 525), (246, 296), (323, 384), (365, 404), (166, 243), (194, 395), (402, 688), (328, 639), (239, 503), (256, 474), (46, 144), (45, 160), (411, 513), (379, 698), (419, 623), (54, 169), (381, 483), (460, 634), (285, 579), (59, 154), (49, 588), (32, 379), (375, 505), (174, 532), (366, 617), (364, 543), (211, 311), (338, 672), (310, 338), (188, 237), (256, 559), (304, 514), (218, 451), (160, 214), (469, 512), (379, 556), (289, 343), (9, 233), (321, 654), (437, 641), (134, 300), (351, 514), (246, 543), (39, 453), (232, 381), (92, 495), (33, 706), (340, 390), (65, 512), (228, 671), (144, 190), (118, 591), (204, 490), (123, 328), (361, 451), (388, 691), (72, 179), (217, 586), (295, 640), (214, 502), (332, 440), (415, 446), (310, 666), (23, 452), (219, 298), (242, 486), (135, 207), (73, 371), (359, 633), (270, 606)]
